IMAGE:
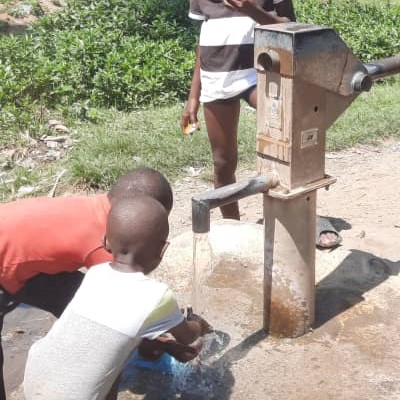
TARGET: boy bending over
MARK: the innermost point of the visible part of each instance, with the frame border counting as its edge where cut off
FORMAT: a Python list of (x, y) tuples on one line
[(45, 241), (116, 307)]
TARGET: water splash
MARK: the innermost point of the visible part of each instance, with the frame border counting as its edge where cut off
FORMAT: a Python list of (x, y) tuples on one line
[(170, 379), (203, 374)]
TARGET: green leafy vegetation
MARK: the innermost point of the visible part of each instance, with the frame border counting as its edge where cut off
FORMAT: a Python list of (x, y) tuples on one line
[(128, 54), (371, 29), (371, 117), (112, 53)]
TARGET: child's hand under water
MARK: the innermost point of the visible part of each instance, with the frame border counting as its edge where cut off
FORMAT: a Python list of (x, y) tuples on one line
[(152, 350), (205, 326)]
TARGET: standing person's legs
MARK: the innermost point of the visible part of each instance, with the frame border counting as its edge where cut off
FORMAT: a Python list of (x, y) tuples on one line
[(222, 118), (251, 97)]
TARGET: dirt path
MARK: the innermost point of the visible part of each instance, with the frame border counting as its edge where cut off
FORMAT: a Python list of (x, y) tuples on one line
[(364, 205), (16, 16), (365, 195)]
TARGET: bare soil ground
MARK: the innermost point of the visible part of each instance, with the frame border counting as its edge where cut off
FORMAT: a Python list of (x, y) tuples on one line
[(352, 353), (16, 16)]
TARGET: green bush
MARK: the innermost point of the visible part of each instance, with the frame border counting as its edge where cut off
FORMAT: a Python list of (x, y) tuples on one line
[(139, 73), (370, 29), (149, 19), (69, 57), (112, 53)]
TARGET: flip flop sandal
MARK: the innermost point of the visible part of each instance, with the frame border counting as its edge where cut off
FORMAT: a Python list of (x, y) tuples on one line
[(325, 226)]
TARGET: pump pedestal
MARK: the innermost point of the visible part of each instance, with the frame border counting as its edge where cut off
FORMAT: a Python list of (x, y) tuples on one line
[(305, 76)]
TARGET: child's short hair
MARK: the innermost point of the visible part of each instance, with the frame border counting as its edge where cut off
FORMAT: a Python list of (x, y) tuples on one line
[(138, 225), (145, 181)]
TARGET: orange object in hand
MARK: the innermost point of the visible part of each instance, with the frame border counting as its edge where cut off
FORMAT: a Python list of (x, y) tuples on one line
[(191, 128)]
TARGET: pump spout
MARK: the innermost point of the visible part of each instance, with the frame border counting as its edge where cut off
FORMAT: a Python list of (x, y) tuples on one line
[(204, 202)]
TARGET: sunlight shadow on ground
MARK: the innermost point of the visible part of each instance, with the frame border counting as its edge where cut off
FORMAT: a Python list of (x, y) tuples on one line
[(343, 288)]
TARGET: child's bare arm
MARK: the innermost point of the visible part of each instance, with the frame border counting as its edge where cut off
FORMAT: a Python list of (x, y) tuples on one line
[(258, 14), (190, 329), (189, 114), (182, 352), (153, 349), (286, 9)]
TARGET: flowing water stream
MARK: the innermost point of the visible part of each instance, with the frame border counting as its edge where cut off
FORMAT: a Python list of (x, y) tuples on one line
[(202, 270)]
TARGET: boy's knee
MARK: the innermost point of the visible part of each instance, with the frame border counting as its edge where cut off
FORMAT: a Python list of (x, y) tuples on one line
[(225, 165)]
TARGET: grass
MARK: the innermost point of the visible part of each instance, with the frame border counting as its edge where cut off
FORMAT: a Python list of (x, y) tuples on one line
[(153, 137), (371, 117), (119, 141), (150, 137)]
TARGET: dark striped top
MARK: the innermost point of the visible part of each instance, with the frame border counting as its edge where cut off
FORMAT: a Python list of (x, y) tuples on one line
[(226, 48)]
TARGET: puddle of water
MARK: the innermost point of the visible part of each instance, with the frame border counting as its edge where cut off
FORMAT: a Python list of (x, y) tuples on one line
[(201, 376), (193, 380)]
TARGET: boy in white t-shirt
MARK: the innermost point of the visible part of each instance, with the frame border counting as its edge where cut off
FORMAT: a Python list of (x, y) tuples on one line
[(116, 307)]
